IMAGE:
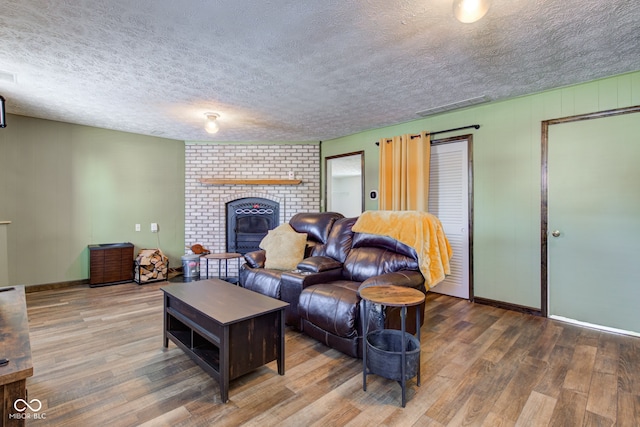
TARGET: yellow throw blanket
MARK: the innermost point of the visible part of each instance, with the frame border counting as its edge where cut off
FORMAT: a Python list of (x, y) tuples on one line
[(419, 230)]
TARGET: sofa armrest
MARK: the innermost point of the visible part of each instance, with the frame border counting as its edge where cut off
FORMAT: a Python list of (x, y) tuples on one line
[(318, 264), (292, 285), (409, 278), (256, 259)]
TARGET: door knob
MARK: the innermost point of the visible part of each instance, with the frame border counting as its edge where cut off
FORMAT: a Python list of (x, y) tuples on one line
[(556, 233)]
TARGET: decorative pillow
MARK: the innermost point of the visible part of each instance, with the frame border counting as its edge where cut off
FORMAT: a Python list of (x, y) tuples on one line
[(284, 247)]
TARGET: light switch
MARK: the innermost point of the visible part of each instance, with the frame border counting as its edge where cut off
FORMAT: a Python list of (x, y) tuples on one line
[(137, 227)]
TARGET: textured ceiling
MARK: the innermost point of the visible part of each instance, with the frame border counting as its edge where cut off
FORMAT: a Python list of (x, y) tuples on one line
[(299, 70)]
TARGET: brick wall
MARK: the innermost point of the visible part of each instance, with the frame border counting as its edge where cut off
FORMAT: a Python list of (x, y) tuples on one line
[(205, 220)]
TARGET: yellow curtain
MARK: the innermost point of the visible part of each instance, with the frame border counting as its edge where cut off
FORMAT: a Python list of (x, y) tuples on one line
[(404, 172)]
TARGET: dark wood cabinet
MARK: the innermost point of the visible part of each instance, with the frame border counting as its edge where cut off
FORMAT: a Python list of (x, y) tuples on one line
[(110, 263)]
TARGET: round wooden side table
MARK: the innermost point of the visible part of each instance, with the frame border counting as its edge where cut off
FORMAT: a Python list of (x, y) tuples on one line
[(391, 296), (225, 256)]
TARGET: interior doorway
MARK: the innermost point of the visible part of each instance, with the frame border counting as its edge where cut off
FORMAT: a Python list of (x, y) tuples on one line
[(345, 183), (591, 219)]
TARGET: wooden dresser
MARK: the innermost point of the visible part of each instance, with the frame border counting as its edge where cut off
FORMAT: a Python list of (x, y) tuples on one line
[(16, 347)]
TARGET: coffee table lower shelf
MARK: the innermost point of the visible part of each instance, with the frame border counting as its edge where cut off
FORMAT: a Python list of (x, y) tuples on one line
[(204, 351)]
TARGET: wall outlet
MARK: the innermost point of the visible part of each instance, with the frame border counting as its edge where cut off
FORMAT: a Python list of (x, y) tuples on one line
[(291, 174), (137, 227), (154, 227)]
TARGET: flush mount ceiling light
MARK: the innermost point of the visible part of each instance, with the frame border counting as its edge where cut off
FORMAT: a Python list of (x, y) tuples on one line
[(211, 124), (468, 11)]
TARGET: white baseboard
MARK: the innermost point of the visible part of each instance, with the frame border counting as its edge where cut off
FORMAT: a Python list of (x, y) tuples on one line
[(594, 326)]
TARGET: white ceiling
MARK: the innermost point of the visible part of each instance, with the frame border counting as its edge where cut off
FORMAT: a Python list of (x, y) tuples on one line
[(294, 70)]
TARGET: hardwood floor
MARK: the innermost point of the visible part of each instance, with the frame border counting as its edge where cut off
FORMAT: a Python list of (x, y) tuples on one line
[(98, 360)]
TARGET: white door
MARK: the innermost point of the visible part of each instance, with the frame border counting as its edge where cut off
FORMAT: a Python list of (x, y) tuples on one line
[(449, 201), (593, 245)]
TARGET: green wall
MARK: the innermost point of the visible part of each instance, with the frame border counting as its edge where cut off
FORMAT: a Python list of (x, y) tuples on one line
[(506, 164), (66, 186)]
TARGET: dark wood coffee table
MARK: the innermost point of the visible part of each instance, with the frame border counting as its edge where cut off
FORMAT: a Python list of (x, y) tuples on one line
[(227, 330)]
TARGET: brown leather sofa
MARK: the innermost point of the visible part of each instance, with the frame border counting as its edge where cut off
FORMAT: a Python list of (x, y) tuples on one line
[(267, 281), (323, 290), (320, 268), (330, 311)]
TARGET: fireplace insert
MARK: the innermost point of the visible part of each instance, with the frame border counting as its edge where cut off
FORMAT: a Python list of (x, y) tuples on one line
[(248, 221)]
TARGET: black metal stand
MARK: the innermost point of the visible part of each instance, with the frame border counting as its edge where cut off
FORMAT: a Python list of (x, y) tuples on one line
[(365, 347), (138, 278)]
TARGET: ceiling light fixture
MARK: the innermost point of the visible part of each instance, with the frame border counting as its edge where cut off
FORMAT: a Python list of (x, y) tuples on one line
[(468, 11), (3, 120), (211, 124)]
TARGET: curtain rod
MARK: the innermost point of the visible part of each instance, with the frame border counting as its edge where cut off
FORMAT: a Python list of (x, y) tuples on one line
[(445, 131)]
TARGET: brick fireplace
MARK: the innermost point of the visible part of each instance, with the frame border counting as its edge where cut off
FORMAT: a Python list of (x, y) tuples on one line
[(206, 205)]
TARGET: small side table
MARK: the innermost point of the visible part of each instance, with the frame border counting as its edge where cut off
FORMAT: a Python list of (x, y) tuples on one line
[(391, 296), (226, 256)]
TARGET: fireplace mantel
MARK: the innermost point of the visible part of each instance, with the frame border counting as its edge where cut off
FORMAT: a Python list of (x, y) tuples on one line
[(241, 181)]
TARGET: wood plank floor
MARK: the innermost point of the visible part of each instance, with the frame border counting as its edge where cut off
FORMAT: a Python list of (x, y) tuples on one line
[(98, 360)]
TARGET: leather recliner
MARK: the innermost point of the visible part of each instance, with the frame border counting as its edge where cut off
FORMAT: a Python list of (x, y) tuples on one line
[(329, 309), (321, 268), (323, 291), (254, 276)]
